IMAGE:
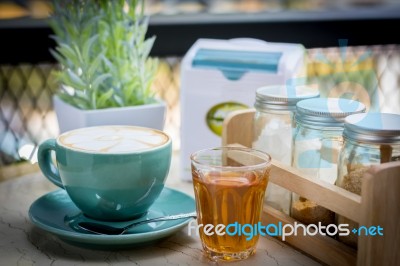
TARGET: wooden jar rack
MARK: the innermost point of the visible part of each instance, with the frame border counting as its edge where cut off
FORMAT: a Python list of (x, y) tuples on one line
[(379, 204)]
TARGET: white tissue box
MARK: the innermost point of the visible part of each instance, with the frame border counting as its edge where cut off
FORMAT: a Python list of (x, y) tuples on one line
[(219, 76)]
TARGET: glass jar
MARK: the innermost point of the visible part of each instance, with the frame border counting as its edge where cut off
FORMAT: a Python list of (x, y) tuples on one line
[(273, 132), (316, 147), (369, 139)]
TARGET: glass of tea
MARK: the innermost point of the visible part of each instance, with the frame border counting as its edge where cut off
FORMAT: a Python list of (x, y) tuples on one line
[(229, 186)]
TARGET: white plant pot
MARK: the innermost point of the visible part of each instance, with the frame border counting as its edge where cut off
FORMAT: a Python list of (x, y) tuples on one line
[(70, 117)]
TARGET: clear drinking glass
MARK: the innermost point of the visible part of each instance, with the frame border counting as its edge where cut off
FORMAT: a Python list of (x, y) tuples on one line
[(229, 186)]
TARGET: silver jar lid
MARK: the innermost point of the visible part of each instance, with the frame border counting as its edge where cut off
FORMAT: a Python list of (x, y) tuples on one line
[(373, 128), (327, 112), (282, 97)]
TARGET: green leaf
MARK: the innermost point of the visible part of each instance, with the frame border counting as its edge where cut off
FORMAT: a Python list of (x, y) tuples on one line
[(56, 38), (95, 65), (109, 65), (90, 27), (118, 100), (76, 81), (147, 45), (82, 95), (87, 47), (71, 30), (79, 55), (67, 52), (105, 97), (57, 56), (75, 101), (96, 83)]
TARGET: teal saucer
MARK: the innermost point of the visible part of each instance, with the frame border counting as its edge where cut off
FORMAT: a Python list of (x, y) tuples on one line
[(55, 213)]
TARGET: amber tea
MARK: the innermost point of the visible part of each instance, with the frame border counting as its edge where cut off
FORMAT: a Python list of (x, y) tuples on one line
[(229, 193)]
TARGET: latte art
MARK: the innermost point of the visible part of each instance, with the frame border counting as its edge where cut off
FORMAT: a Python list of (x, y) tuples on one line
[(113, 139)]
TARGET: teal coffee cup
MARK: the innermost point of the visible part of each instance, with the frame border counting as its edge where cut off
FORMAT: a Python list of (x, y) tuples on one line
[(111, 173)]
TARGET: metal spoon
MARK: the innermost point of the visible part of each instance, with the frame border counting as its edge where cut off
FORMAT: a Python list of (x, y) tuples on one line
[(102, 229)]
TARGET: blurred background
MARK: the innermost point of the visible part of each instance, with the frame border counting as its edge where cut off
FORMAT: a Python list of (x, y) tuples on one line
[(367, 57)]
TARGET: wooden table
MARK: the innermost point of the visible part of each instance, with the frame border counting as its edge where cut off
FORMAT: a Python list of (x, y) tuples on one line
[(21, 243)]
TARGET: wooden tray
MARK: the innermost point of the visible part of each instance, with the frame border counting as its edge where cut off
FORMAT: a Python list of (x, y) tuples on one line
[(379, 204)]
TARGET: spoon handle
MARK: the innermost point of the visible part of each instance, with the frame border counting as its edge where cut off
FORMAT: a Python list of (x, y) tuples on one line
[(164, 218)]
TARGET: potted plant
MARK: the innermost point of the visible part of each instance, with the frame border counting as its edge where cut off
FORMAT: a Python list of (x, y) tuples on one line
[(105, 71)]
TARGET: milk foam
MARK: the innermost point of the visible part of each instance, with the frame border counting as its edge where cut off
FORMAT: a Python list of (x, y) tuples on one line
[(113, 139)]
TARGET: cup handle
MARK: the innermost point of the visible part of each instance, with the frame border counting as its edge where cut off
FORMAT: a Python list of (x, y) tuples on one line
[(46, 163)]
